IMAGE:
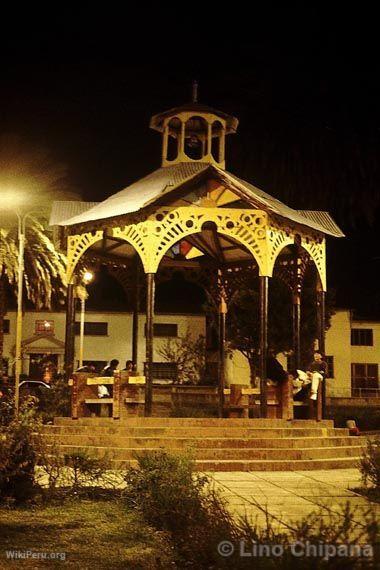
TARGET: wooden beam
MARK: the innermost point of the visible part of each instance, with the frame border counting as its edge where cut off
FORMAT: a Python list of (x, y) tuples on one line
[(218, 248)]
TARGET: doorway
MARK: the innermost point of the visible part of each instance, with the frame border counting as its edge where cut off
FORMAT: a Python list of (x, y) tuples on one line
[(42, 365)]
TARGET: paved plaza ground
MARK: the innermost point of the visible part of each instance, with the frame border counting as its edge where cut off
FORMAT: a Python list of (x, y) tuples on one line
[(291, 496)]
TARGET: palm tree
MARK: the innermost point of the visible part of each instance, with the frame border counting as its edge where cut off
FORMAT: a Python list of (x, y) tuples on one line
[(44, 273), (34, 174)]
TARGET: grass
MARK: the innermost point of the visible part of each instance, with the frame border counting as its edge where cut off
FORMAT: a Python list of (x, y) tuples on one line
[(93, 534)]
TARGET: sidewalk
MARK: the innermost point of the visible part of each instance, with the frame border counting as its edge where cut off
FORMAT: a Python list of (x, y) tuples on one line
[(292, 496)]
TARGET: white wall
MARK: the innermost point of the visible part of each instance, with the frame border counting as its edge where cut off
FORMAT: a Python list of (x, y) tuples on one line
[(118, 343), (338, 344)]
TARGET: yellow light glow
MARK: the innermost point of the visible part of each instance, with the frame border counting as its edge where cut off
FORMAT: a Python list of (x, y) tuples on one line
[(87, 277), (12, 199)]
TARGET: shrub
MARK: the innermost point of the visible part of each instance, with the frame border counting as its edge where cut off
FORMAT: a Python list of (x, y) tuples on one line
[(364, 420), (55, 401), (6, 408), (18, 456), (318, 528), (84, 470), (173, 498), (370, 463), (188, 354)]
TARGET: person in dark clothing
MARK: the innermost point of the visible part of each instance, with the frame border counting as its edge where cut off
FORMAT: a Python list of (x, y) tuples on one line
[(318, 365), (110, 368), (275, 370), (129, 366)]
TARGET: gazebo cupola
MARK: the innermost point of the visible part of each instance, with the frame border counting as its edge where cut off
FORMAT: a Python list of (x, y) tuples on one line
[(193, 133)]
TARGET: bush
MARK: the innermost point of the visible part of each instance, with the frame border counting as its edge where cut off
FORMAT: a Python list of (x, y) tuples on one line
[(6, 408), (364, 420), (173, 498), (18, 456), (55, 401), (85, 470), (370, 463)]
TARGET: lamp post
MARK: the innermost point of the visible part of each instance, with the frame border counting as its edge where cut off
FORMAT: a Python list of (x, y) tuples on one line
[(20, 279), (86, 279)]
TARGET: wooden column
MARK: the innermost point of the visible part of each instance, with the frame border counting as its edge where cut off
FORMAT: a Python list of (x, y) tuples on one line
[(297, 329), (149, 342), (136, 310), (263, 315), (321, 324), (70, 331), (222, 354)]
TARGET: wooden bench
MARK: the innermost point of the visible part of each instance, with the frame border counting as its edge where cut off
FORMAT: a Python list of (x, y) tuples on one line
[(279, 401)]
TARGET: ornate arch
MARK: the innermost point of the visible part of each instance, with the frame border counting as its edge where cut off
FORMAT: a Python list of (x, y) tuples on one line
[(76, 246), (154, 237), (279, 238), (317, 252)]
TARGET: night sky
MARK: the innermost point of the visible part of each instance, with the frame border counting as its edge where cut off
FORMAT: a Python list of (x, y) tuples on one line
[(306, 93)]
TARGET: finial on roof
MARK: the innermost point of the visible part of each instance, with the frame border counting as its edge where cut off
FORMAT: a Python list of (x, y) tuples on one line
[(195, 91)]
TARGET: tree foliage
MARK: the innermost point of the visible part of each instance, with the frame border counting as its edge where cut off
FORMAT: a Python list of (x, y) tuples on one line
[(188, 354), (243, 319)]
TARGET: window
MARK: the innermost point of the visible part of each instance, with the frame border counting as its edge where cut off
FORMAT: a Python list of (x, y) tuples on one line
[(364, 379), (164, 371), (6, 326), (44, 327), (330, 366), (361, 337), (164, 329), (92, 329), (99, 364)]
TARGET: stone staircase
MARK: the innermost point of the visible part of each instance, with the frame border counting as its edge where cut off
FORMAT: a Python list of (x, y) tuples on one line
[(216, 444)]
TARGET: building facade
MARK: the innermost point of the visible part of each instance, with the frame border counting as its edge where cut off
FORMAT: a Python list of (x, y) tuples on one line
[(352, 346)]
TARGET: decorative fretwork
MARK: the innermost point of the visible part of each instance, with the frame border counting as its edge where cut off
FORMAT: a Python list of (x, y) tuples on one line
[(262, 237), (317, 251), (291, 270), (76, 247), (280, 237), (154, 237)]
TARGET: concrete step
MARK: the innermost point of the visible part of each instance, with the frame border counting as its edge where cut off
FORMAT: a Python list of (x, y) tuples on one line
[(200, 432), (215, 444), (123, 453), (262, 465), (192, 422), (206, 442)]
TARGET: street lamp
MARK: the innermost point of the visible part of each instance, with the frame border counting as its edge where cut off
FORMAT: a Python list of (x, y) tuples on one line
[(9, 201), (87, 277)]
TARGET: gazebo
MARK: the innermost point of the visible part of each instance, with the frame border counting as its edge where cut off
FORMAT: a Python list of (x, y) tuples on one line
[(194, 214)]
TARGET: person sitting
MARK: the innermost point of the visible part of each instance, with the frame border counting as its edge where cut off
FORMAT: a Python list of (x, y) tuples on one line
[(109, 372), (318, 370), (301, 388), (129, 366), (315, 373), (110, 368), (275, 370)]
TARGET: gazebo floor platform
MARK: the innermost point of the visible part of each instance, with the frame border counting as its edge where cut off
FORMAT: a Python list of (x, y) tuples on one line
[(215, 444)]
